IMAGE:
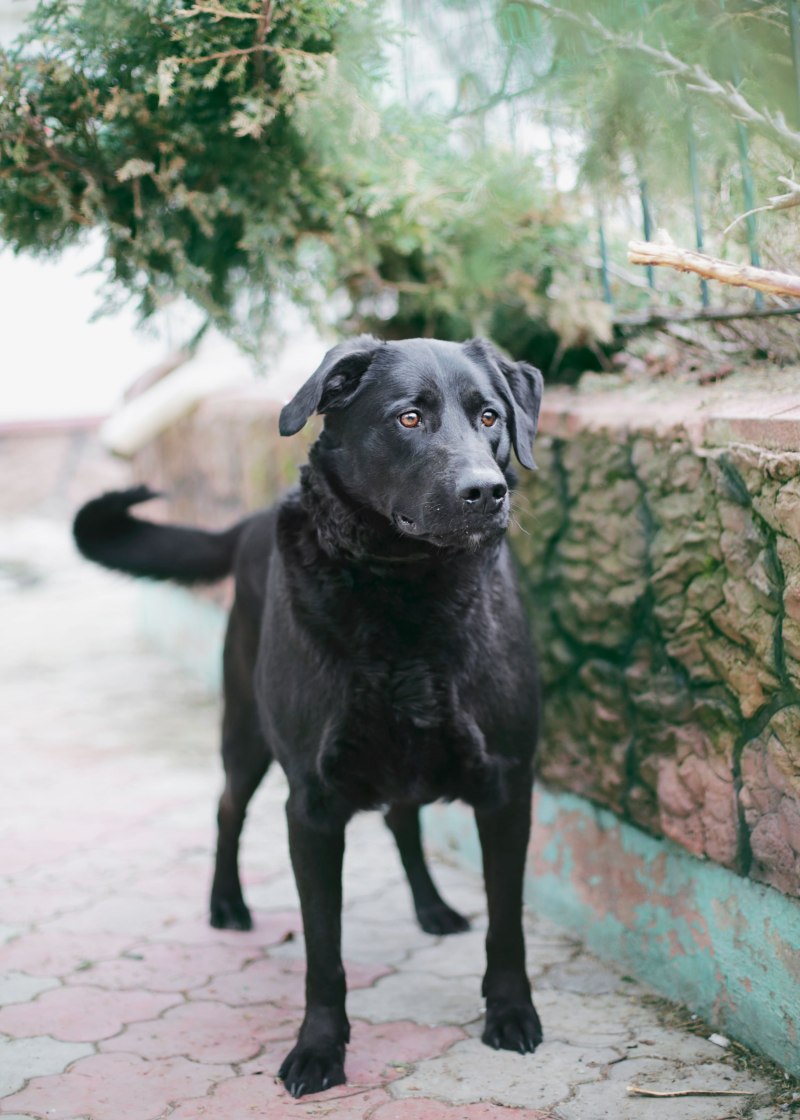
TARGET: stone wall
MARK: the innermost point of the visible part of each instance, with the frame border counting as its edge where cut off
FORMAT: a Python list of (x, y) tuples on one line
[(659, 546), (664, 583)]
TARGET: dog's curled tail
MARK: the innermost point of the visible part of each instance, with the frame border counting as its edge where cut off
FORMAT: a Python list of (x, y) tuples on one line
[(106, 533)]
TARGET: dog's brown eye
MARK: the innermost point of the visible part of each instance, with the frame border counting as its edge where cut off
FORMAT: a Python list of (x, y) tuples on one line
[(488, 417), (409, 419)]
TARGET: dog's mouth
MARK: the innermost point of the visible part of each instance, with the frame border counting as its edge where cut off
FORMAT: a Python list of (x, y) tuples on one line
[(406, 525), (469, 533)]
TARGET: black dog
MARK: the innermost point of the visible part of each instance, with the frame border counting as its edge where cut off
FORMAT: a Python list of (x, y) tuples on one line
[(378, 648)]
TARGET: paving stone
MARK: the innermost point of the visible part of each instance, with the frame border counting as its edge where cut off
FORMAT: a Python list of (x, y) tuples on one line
[(115, 1087), (422, 997), (610, 1100), (461, 954), (161, 967), (372, 942), (377, 1052), (206, 1032), (673, 1045), (438, 1110), (585, 976), (261, 1096), (17, 987), (22, 1058), (278, 982), (125, 914), (53, 953), (471, 1072), (269, 928), (583, 1020), (9, 931), (80, 1013)]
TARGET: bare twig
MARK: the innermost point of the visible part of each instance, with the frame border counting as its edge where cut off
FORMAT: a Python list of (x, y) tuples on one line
[(776, 202), (712, 268), (693, 76), (636, 1091)]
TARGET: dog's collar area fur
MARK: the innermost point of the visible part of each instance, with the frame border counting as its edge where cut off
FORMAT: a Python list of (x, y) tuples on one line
[(346, 530)]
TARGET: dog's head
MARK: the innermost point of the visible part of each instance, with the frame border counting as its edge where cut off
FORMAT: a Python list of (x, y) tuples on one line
[(421, 431)]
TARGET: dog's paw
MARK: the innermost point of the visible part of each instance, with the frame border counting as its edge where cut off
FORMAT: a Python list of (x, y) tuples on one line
[(512, 1027), (228, 913), (311, 1069), (442, 919)]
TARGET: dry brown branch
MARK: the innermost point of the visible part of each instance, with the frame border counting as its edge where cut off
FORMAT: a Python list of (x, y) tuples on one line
[(692, 76), (776, 202), (636, 1091), (712, 268)]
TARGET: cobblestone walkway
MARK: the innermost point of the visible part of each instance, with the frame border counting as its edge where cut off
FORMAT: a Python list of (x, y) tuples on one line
[(119, 1002)]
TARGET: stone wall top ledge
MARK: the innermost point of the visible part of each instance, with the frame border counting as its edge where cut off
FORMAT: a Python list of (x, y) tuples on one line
[(762, 410)]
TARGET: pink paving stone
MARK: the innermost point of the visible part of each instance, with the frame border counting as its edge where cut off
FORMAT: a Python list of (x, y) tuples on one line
[(271, 927), (25, 904), (421, 1109), (161, 967), (115, 1087), (278, 982), (206, 1032), (376, 1054), (22, 852), (81, 1014), (254, 1096), (264, 981), (124, 913), (53, 953), (187, 883)]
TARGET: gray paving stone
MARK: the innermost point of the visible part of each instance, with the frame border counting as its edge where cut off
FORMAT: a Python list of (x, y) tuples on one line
[(17, 987), (471, 1072), (8, 931), (610, 1100), (583, 975), (421, 997), (582, 1020), (23, 1058), (371, 942), (672, 1045), (461, 954)]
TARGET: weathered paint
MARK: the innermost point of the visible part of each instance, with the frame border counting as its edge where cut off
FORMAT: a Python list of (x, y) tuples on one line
[(696, 932)]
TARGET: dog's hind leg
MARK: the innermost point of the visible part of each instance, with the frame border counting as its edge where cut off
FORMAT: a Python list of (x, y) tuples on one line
[(433, 913), (246, 758), (246, 763)]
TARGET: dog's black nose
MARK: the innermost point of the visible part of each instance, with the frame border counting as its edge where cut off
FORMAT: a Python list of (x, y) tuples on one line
[(482, 493)]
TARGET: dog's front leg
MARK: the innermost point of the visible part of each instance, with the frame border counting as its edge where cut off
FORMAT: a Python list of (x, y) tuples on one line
[(511, 1019), (317, 1060)]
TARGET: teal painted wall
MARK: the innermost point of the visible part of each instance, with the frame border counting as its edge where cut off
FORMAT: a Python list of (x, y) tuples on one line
[(696, 932), (189, 630)]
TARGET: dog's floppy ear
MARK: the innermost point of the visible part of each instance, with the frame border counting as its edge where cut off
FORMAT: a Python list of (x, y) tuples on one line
[(521, 387), (332, 385)]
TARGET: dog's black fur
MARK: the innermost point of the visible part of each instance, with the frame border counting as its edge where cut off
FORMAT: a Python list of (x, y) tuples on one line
[(377, 647)]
